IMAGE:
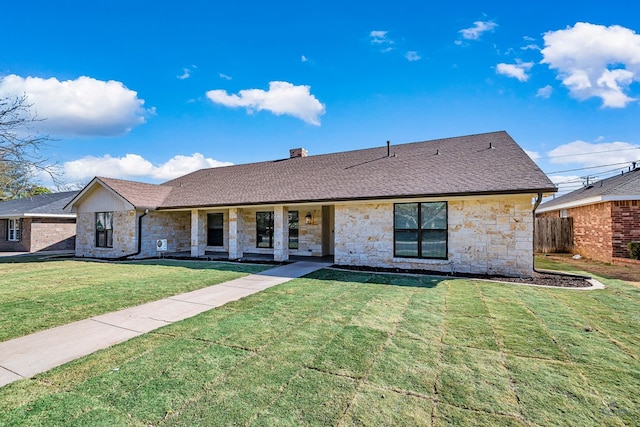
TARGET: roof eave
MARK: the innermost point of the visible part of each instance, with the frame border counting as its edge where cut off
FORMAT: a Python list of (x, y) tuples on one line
[(585, 202), (547, 190)]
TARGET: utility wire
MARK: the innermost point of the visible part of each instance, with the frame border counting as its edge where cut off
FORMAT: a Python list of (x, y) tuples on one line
[(592, 152), (590, 167)]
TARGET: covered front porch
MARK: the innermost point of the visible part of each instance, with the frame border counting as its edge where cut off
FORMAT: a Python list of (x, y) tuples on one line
[(274, 233)]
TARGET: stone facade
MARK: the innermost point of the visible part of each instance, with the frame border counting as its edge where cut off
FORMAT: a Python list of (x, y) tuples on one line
[(41, 234), (309, 235), (485, 236), (173, 226)]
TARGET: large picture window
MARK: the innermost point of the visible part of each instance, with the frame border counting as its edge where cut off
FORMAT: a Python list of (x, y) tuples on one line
[(104, 229), (420, 230), (293, 230), (215, 229), (264, 229), (13, 230)]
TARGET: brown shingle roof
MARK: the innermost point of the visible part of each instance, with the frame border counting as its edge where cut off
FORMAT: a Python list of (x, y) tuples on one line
[(476, 164), (139, 194), (462, 165)]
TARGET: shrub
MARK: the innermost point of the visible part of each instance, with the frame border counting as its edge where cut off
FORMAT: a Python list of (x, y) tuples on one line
[(634, 249)]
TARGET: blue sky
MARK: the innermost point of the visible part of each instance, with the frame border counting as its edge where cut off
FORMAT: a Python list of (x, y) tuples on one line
[(152, 90)]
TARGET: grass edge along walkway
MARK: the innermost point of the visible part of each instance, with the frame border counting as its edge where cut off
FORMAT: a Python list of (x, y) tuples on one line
[(22, 357)]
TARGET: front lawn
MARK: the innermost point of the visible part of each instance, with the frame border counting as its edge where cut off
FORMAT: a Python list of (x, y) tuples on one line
[(350, 348), (36, 295)]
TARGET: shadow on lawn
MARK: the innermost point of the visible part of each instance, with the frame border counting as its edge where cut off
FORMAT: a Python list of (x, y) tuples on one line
[(395, 279), (191, 264)]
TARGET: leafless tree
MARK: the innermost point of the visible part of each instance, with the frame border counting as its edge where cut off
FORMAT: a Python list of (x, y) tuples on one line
[(20, 149)]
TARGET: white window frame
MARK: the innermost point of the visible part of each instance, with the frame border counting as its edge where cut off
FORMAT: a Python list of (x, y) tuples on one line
[(13, 229)]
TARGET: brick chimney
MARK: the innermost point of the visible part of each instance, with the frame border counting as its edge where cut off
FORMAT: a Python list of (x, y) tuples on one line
[(297, 152)]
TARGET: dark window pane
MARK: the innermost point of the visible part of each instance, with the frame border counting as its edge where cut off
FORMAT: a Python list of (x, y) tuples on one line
[(215, 229), (406, 216), (293, 229), (264, 229), (434, 215), (406, 244), (434, 243)]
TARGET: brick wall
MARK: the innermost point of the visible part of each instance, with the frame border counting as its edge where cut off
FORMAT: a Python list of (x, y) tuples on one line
[(53, 234), (592, 231), (625, 226), (486, 236), (23, 245)]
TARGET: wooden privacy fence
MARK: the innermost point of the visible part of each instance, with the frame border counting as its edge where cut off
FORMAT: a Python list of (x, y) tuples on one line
[(553, 235)]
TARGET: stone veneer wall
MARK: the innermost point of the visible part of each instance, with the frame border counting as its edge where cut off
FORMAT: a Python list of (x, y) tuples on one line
[(486, 236), (309, 235), (173, 226), (124, 235)]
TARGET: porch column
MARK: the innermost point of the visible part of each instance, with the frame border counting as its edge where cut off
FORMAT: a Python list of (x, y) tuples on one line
[(235, 232), (280, 233), (198, 241)]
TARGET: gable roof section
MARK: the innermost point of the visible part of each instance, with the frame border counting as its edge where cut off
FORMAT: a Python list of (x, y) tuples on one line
[(137, 194), (619, 187), (477, 164), (42, 205)]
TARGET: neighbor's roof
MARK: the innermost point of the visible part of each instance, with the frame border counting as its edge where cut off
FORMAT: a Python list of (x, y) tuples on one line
[(625, 186), (490, 163), (42, 205)]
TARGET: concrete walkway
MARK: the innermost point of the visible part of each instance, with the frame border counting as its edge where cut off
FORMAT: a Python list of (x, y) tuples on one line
[(32, 354)]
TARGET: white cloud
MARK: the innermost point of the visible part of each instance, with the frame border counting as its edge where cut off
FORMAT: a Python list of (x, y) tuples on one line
[(412, 56), (544, 92), (186, 73), (303, 58), (595, 61), (533, 154), (379, 37), (530, 47), (517, 71), (224, 76), (85, 106), (281, 98), (587, 154), (479, 28), (135, 166), (382, 40)]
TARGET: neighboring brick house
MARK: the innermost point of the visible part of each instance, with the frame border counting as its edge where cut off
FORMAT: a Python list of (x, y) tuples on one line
[(37, 223), (462, 204), (606, 215)]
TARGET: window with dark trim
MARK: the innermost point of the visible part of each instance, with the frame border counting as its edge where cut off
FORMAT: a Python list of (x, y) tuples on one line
[(215, 229), (264, 229), (420, 230), (293, 229), (13, 229), (104, 229)]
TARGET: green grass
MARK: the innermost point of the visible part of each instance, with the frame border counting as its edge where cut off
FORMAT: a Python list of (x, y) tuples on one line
[(40, 295), (353, 349)]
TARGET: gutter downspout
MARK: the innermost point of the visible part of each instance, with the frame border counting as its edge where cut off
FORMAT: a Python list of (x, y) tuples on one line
[(146, 211), (535, 206)]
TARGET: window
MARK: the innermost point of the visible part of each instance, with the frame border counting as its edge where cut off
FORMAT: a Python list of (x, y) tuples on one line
[(13, 230), (104, 229), (293, 230), (420, 230), (215, 229), (264, 229)]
